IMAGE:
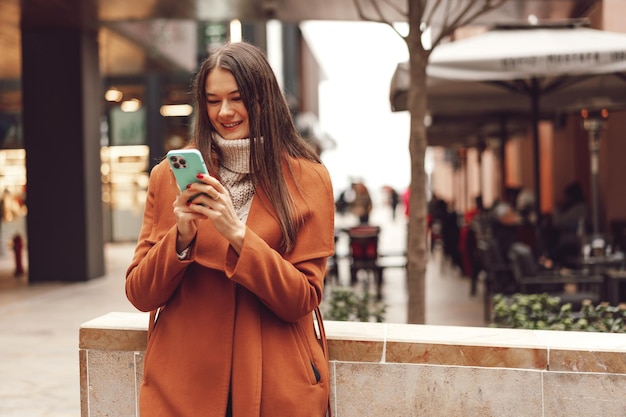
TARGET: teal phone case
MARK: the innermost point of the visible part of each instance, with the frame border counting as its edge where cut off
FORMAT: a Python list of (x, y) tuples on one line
[(186, 164)]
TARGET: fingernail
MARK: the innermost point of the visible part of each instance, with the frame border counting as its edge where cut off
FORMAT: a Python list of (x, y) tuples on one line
[(188, 185), (188, 204), (199, 176)]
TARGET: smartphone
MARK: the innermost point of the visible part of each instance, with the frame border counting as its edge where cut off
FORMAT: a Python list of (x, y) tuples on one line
[(186, 164)]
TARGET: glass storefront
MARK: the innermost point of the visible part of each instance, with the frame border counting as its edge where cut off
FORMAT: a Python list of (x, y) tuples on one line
[(124, 186), (13, 183)]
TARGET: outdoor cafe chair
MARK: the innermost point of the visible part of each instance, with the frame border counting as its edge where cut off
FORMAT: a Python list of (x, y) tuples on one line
[(531, 277), (498, 274), (364, 256)]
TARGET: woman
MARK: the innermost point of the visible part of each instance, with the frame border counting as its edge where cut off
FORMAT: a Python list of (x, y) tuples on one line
[(233, 271)]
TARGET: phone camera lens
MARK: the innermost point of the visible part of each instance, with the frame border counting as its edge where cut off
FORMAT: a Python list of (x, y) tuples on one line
[(178, 162)]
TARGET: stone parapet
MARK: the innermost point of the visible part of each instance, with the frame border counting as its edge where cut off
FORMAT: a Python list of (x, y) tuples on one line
[(384, 369)]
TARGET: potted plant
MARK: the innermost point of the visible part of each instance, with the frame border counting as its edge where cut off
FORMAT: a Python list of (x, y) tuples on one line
[(545, 312), (346, 304)]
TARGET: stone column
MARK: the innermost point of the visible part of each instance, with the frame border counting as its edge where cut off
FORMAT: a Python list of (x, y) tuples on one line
[(62, 107)]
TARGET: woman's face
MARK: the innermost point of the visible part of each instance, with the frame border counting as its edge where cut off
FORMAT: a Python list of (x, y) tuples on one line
[(225, 107)]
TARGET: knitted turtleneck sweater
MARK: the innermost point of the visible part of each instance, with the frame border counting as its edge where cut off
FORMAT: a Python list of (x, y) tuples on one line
[(235, 173)]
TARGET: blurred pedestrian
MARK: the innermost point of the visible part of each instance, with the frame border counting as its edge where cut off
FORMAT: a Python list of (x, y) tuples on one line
[(393, 199), (450, 235), (570, 221), (437, 210), (362, 204), (406, 198), (345, 199), (17, 244), (506, 220)]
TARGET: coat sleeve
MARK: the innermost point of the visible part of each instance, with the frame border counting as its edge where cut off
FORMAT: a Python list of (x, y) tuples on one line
[(291, 285), (155, 271)]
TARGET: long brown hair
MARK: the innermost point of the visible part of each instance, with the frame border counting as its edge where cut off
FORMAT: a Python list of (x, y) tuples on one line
[(273, 134)]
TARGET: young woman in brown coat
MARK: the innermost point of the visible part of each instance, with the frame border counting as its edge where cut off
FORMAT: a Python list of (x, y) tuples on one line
[(232, 268)]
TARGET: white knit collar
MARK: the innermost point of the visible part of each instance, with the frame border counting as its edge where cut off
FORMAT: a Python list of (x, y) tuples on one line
[(235, 153)]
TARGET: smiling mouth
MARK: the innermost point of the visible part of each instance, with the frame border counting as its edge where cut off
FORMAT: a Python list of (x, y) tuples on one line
[(231, 125)]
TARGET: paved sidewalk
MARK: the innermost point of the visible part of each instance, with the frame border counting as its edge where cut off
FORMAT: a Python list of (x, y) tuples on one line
[(39, 372), (39, 323)]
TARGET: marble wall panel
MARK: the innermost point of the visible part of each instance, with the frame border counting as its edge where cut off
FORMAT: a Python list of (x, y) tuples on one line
[(464, 355), (584, 394), (363, 390), (587, 361), (84, 384), (111, 383), (112, 339), (356, 350), (139, 361)]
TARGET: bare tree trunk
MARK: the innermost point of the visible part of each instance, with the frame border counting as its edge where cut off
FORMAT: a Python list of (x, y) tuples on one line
[(417, 254), (456, 14)]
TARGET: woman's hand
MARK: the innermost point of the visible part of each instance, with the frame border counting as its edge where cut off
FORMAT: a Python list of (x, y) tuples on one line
[(203, 200)]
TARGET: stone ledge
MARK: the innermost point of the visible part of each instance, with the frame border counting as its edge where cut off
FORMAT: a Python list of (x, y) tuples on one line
[(400, 369), (417, 344), (115, 331)]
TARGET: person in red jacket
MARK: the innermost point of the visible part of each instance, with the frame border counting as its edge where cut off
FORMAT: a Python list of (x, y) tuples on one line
[(232, 268)]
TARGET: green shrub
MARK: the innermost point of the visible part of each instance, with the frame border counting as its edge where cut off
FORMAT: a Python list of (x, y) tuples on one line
[(545, 312), (345, 304)]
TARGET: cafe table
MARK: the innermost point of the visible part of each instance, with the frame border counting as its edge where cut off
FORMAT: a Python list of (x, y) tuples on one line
[(614, 277)]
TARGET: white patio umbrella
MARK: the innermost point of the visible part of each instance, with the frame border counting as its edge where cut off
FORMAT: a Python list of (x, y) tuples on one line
[(522, 70), (514, 52)]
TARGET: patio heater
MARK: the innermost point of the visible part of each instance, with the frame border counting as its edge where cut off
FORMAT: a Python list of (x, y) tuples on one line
[(594, 121)]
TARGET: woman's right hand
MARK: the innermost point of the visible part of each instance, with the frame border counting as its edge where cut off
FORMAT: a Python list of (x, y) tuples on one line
[(186, 221)]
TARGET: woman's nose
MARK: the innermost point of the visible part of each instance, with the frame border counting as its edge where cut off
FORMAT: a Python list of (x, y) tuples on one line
[(226, 109)]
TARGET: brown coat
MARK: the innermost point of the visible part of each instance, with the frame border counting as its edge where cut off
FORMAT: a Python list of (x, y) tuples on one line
[(227, 322)]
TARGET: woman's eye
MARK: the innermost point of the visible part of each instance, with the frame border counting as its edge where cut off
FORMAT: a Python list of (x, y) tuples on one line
[(213, 101), (237, 98)]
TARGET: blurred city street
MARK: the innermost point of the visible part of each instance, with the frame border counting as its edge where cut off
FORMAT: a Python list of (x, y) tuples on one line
[(39, 323), (511, 126)]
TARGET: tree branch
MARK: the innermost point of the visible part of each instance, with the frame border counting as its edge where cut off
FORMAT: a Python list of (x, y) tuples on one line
[(464, 17), (379, 12), (488, 6), (397, 9), (374, 3), (448, 28), (430, 15)]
